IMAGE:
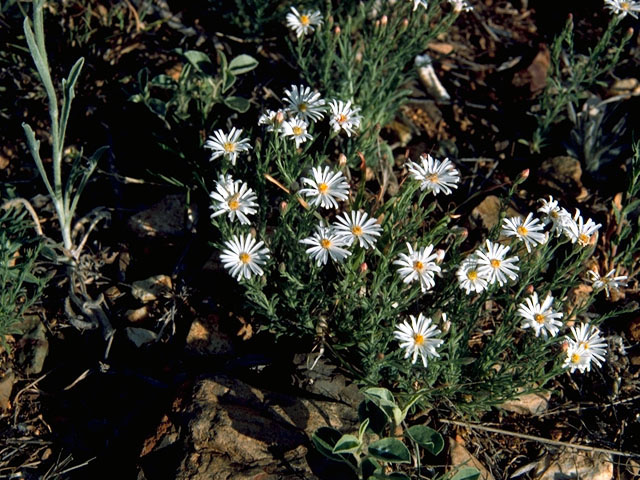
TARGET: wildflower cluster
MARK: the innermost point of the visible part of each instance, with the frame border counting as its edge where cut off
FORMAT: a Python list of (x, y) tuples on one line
[(389, 280)]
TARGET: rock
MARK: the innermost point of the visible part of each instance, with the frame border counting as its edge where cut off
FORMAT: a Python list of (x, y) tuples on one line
[(151, 288), (232, 430), (535, 75), (171, 217), (529, 404), (6, 386), (564, 175), (487, 212), (137, 315), (460, 457), (33, 349), (205, 338), (575, 464), (140, 336)]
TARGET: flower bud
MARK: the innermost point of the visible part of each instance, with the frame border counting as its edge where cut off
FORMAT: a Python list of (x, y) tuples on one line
[(342, 160), (283, 206), (337, 30), (279, 117), (384, 20), (377, 24), (529, 290), (440, 253), (404, 25), (364, 267)]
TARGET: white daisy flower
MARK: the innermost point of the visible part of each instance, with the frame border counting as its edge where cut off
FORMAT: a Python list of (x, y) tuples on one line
[(357, 227), (580, 231), (417, 338), (494, 265), (530, 231), (326, 188), (325, 243), (554, 214), (623, 7), (419, 3), (296, 128), (234, 198), (469, 279), (273, 119), (244, 256), (434, 175), (304, 103), (585, 347), (460, 6), (542, 318), (227, 145), (418, 265), (303, 23), (609, 282), (344, 116)]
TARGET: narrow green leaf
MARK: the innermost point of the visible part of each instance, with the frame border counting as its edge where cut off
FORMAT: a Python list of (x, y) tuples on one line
[(467, 473), (347, 444), (363, 428), (238, 104), (390, 450), (227, 81), (427, 438), (242, 64)]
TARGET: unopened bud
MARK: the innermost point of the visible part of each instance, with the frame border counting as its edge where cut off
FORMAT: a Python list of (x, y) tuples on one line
[(629, 33), (405, 24), (565, 346), (380, 356), (364, 267), (377, 24), (282, 267), (384, 20), (279, 117), (337, 30), (253, 232), (529, 289), (283, 206), (440, 253), (524, 174), (342, 160), (358, 58)]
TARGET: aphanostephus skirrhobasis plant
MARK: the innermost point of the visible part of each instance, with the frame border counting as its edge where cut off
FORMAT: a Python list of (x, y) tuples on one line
[(388, 283)]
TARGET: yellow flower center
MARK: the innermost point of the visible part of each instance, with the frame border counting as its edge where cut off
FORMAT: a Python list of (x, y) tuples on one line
[(433, 178), (229, 147), (342, 118), (522, 230), (304, 20), (297, 130), (418, 266), (325, 243), (472, 275), (233, 203), (584, 239), (244, 258), (495, 263), (302, 107), (554, 214), (575, 358), (584, 345), (625, 5), (322, 188), (539, 318), (418, 339), (356, 230)]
